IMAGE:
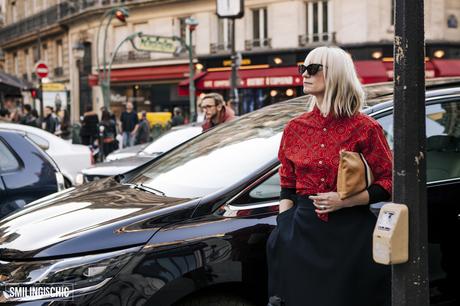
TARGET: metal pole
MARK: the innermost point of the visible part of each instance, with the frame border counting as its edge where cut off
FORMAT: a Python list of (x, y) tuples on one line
[(105, 93), (410, 285), (40, 98), (191, 85), (234, 78)]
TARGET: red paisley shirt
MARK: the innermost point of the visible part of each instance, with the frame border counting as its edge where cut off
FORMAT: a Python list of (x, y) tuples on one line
[(310, 146)]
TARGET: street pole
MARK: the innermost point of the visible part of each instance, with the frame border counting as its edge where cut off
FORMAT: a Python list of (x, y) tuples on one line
[(234, 97), (410, 285), (191, 84)]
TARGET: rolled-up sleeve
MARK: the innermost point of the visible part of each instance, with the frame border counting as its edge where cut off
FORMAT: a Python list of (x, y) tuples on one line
[(287, 170), (378, 155)]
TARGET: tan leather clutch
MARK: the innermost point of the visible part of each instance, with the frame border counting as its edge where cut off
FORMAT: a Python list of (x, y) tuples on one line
[(354, 174)]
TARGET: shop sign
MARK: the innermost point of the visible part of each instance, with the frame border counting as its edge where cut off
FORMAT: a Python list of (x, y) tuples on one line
[(257, 82), (53, 87), (244, 62), (152, 43)]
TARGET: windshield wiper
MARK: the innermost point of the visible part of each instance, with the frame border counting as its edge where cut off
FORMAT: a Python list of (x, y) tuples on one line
[(147, 189)]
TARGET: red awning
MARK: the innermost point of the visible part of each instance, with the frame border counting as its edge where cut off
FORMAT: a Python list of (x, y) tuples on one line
[(371, 71), (447, 67), (430, 71), (149, 73)]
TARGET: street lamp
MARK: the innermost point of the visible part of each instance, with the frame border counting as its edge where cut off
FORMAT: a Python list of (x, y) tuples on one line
[(191, 23), (120, 13)]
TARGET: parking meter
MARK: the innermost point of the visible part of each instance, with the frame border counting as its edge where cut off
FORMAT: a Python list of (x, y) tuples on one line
[(391, 235)]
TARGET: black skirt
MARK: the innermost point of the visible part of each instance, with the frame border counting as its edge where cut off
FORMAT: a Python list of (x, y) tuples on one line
[(317, 263)]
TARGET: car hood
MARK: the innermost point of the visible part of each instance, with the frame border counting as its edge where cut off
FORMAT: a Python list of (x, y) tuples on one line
[(97, 216), (118, 166)]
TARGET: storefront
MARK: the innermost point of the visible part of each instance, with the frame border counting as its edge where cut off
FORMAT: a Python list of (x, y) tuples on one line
[(151, 89)]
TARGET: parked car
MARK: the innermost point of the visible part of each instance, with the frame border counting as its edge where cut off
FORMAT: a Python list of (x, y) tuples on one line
[(165, 142), (190, 227), (71, 158), (128, 159), (26, 172)]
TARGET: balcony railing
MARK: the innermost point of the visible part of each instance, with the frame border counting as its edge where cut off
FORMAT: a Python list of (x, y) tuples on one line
[(218, 48), (317, 38), (258, 43), (50, 17)]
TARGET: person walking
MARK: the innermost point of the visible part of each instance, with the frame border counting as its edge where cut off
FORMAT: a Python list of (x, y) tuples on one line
[(177, 118), (28, 118), (65, 126), (129, 125), (109, 134), (320, 252), (50, 122), (143, 132), (88, 131), (215, 111)]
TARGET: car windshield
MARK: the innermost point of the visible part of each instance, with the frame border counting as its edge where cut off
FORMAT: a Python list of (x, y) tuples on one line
[(172, 139), (223, 156)]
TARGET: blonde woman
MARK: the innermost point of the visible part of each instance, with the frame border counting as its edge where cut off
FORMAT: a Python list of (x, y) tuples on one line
[(320, 253)]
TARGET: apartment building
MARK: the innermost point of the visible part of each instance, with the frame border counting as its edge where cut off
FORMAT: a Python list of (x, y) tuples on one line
[(272, 38)]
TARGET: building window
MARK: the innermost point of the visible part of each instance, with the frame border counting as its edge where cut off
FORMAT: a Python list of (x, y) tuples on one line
[(183, 33), (392, 12), (59, 54), (224, 34), (28, 64), (36, 54), (15, 64), (45, 53), (318, 28), (14, 12), (259, 27)]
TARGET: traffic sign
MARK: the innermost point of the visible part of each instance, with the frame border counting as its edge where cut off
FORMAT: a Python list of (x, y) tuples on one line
[(41, 70)]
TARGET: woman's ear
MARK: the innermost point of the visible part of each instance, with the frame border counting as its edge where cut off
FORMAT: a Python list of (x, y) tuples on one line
[(219, 107)]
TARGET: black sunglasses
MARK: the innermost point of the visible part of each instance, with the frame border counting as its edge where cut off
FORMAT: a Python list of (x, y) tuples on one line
[(312, 69)]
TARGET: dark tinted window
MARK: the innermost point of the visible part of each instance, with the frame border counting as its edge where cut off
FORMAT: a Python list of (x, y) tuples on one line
[(8, 161), (443, 140)]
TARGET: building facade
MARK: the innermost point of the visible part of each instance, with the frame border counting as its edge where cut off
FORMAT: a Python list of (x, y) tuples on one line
[(272, 38)]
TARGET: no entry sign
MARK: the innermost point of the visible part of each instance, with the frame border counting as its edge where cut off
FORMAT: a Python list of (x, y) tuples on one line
[(41, 70)]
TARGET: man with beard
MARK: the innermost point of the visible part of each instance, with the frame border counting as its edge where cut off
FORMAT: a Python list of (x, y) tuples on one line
[(215, 111)]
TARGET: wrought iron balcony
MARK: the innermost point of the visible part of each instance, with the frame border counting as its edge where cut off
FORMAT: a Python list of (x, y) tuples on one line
[(257, 43), (218, 48), (317, 38), (50, 16)]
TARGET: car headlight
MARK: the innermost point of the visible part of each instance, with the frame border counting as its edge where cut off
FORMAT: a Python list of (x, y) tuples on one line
[(82, 274)]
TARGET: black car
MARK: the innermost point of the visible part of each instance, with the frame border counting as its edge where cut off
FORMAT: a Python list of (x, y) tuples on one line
[(26, 172), (190, 227)]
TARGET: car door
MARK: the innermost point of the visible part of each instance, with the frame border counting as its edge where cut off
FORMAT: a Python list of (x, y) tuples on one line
[(443, 194), (26, 172)]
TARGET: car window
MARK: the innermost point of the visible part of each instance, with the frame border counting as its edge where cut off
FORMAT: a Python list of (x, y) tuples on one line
[(268, 190), (442, 142), (8, 161)]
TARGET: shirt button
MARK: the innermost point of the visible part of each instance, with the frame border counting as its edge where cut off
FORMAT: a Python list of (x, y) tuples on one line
[(322, 179), (320, 162), (322, 145), (324, 129)]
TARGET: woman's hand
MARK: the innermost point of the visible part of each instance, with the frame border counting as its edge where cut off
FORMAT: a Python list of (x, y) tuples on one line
[(328, 202)]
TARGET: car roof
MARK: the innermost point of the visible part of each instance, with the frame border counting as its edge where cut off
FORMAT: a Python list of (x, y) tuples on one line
[(30, 129)]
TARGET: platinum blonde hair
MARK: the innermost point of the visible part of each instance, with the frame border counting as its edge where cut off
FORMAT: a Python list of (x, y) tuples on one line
[(343, 95)]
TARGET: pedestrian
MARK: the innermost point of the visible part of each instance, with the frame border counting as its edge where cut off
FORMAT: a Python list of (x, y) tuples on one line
[(50, 122), (88, 131), (15, 114), (215, 111), (4, 115), (177, 118), (129, 125), (143, 132), (64, 127), (28, 118), (320, 252), (109, 134)]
